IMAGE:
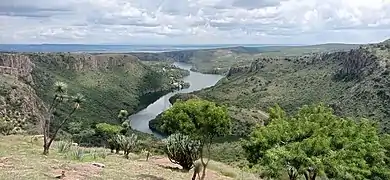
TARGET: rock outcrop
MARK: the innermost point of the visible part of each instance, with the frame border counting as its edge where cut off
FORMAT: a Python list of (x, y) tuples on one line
[(17, 65), (237, 69), (356, 63)]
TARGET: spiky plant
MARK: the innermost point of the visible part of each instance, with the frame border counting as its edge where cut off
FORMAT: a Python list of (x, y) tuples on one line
[(182, 150), (64, 146), (127, 143), (60, 97), (123, 114)]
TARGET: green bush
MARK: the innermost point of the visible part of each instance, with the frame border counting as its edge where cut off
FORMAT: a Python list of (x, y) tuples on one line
[(182, 150)]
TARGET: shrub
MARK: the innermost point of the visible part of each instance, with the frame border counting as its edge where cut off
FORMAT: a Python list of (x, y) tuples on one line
[(6, 126), (76, 154), (64, 146), (99, 154), (181, 150), (127, 143)]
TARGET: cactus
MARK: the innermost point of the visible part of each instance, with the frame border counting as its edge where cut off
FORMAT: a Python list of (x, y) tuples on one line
[(182, 150), (127, 143)]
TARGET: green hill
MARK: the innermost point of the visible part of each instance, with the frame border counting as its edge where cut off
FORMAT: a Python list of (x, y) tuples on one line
[(109, 82), (355, 83)]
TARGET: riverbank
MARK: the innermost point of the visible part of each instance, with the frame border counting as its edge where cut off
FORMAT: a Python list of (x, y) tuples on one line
[(197, 81)]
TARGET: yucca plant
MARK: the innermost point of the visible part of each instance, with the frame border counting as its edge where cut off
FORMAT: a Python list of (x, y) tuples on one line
[(127, 143), (64, 146), (60, 97), (182, 150), (77, 154)]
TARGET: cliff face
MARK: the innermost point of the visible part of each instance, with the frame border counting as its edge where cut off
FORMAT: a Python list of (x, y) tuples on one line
[(109, 82), (84, 62), (356, 64), (17, 65)]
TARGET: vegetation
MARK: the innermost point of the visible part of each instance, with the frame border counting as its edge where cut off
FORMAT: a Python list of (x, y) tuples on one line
[(201, 120), (182, 150), (127, 143), (315, 142), (21, 160), (123, 115), (352, 82), (108, 133), (110, 83), (60, 98), (219, 60)]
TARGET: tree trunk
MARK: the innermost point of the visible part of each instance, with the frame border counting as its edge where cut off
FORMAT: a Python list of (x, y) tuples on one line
[(45, 149), (127, 154), (194, 176), (203, 173)]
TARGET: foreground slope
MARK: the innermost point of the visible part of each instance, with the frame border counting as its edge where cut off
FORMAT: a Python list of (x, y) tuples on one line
[(355, 83), (21, 159)]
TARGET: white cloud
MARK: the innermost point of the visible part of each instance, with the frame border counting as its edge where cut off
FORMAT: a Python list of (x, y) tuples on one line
[(194, 21)]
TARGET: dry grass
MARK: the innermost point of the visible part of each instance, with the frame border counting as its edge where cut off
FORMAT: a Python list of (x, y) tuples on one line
[(22, 159)]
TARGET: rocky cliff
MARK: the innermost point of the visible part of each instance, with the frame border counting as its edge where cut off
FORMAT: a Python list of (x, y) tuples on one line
[(110, 82), (17, 65), (18, 100)]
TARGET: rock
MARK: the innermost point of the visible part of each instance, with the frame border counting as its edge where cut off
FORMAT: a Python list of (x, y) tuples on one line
[(99, 165)]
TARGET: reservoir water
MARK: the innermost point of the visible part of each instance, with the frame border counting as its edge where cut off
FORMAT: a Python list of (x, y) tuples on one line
[(198, 81)]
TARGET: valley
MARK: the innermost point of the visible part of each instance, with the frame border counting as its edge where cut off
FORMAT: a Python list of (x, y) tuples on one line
[(351, 79)]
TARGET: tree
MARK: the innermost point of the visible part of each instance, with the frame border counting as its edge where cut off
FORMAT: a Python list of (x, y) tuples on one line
[(109, 132), (182, 150), (127, 143), (315, 142), (201, 120), (60, 98)]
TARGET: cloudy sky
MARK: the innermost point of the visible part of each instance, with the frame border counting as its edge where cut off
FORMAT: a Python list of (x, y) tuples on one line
[(194, 21)]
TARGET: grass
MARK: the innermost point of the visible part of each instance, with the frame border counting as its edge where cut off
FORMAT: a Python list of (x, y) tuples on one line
[(20, 159)]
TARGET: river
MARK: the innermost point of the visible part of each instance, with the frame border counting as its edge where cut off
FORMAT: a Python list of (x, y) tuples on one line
[(198, 81)]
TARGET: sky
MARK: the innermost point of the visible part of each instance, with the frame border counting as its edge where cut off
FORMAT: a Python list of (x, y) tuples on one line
[(194, 21)]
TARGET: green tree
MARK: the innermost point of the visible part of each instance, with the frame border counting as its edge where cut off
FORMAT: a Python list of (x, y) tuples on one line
[(60, 98), (109, 132), (315, 142), (201, 120)]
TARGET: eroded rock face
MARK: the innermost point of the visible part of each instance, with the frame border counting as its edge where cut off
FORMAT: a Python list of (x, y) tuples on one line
[(17, 65), (236, 70), (84, 62), (356, 63)]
